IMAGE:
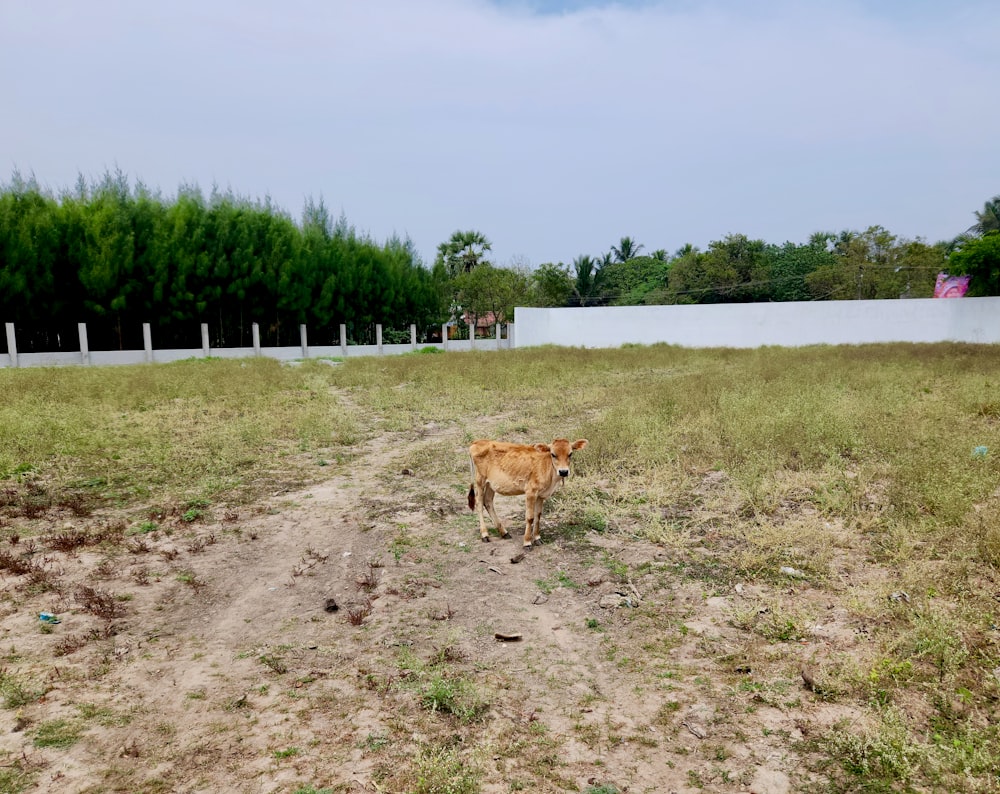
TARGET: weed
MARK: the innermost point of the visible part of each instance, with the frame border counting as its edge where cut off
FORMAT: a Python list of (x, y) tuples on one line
[(882, 758), (273, 662), (190, 578), (356, 615), (15, 692), (401, 543), (15, 564), (69, 644), (103, 715), (195, 510), (58, 733), (375, 741), (290, 752), (99, 602), (67, 541), (368, 581), (14, 778), (144, 528), (443, 770), (452, 695)]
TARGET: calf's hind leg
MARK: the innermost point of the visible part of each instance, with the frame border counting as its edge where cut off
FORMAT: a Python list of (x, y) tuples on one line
[(485, 501)]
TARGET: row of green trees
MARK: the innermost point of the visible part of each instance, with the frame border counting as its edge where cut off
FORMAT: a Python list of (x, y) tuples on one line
[(851, 265), (117, 256), (873, 264)]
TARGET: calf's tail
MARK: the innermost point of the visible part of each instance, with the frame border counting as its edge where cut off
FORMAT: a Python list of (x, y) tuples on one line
[(472, 497)]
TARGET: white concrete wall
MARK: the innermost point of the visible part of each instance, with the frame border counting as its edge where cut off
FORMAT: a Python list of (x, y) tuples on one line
[(758, 324), (121, 357)]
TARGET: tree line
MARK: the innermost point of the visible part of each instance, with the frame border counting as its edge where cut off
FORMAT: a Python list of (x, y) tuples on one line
[(850, 265), (115, 256)]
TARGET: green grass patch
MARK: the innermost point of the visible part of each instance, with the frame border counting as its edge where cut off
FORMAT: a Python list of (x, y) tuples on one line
[(59, 733)]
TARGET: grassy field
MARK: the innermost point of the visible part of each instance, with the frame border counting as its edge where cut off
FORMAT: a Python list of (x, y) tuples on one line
[(862, 480)]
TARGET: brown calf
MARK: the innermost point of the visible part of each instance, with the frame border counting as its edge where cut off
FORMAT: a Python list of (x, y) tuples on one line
[(514, 469)]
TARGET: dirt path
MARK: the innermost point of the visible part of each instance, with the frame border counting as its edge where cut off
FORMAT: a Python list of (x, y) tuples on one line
[(231, 670)]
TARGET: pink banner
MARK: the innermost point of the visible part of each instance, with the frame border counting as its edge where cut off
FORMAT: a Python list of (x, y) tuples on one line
[(951, 286)]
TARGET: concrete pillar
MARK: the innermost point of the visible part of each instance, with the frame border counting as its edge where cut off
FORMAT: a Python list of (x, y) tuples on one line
[(255, 333), (147, 342), (444, 336), (343, 340), (305, 344), (11, 344), (84, 349), (204, 340), (510, 336), (413, 337), (378, 337)]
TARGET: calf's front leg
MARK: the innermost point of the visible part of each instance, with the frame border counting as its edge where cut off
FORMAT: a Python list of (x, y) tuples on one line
[(539, 504), (532, 506)]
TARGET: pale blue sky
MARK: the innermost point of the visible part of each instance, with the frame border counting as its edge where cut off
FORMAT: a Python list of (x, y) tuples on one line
[(554, 127)]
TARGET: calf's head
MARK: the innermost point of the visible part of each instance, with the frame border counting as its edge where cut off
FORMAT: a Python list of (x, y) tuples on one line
[(561, 451)]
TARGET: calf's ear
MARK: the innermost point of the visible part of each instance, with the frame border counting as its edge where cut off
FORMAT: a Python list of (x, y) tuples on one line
[(542, 447), (580, 444)]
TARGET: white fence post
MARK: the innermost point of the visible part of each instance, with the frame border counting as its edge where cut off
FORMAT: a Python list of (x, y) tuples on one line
[(255, 333), (343, 340), (510, 336), (305, 344), (378, 337), (444, 336), (84, 349), (413, 337), (204, 340), (11, 344), (497, 332), (147, 342)]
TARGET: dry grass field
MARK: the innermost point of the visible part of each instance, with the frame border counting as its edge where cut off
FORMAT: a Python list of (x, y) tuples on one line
[(772, 571)]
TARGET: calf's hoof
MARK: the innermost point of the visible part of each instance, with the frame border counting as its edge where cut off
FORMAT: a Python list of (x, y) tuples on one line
[(505, 535), (484, 538)]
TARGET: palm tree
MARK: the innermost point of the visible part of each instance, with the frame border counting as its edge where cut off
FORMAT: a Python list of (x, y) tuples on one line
[(988, 220), (584, 268), (463, 252), (627, 249)]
